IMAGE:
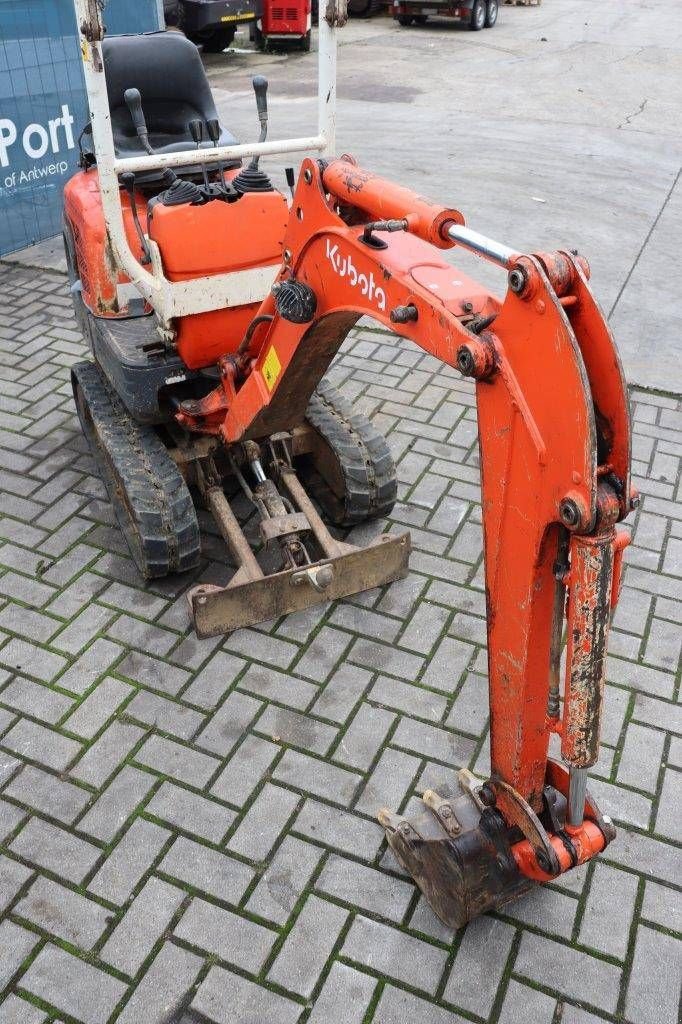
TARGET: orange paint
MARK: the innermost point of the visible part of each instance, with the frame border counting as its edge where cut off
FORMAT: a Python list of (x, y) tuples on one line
[(83, 207), (587, 841), (218, 238)]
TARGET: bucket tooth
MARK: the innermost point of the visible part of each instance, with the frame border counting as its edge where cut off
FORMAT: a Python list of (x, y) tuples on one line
[(443, 810)]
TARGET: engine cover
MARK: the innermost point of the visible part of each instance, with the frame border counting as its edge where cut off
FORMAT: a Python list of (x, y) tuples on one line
[(218, 238)]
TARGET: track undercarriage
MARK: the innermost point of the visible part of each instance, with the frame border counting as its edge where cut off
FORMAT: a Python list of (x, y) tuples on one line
[(150, 471)]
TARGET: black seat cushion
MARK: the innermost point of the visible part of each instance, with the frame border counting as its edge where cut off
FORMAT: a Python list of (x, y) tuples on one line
[(167, 69)]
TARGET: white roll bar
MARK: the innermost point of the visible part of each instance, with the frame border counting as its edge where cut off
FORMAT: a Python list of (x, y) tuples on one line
[(173, 299)]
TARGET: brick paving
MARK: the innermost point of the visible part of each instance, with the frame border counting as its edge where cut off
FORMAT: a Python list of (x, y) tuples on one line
[(187, 828)]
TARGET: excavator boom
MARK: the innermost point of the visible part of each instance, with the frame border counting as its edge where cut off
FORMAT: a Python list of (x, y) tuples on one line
[(554, 438)]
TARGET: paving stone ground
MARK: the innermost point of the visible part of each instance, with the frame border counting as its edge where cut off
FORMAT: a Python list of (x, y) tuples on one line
[(187, 828)]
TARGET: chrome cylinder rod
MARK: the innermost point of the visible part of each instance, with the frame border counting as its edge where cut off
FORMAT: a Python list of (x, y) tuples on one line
[(483, 246), (577, 787)]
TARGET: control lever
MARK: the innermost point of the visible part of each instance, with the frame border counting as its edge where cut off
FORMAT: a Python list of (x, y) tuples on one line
[(133, 101), (291, 179), (251, 178), (127, 179), (260, 87), (196, 128), (213, 127)]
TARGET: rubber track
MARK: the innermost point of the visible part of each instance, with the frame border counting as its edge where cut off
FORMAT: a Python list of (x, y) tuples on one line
[(363, 455), (151, 500)]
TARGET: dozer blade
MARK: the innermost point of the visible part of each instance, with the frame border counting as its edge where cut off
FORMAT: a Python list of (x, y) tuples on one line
[(245, 602), (457, 851)]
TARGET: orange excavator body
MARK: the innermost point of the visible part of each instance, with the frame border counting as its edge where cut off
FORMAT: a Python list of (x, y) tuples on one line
[(261, 297), (99, 275), (555, 455), (218, 238), (193, 241)]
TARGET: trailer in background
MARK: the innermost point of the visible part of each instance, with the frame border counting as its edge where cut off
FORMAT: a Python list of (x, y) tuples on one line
[(477, 14)]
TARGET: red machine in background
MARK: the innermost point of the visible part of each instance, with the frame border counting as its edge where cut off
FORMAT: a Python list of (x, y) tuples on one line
[(285, 22)]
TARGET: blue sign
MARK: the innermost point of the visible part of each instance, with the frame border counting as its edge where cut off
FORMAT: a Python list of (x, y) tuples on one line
[(43, 107)]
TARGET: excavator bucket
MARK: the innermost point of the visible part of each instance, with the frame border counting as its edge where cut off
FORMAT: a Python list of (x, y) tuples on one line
[(458, 852)]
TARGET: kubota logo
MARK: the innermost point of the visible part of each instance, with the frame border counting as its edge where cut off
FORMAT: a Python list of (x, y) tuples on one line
[(343, 265)]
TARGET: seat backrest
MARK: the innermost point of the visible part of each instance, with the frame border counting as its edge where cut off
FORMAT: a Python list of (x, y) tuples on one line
[(165, 67)]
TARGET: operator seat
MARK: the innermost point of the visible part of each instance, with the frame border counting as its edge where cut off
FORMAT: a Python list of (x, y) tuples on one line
[(167, 69)]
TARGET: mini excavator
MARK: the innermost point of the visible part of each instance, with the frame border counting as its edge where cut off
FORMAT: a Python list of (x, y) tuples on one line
[(213, 308)]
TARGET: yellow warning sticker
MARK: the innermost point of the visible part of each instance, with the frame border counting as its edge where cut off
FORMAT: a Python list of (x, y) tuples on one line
[(271, 368)]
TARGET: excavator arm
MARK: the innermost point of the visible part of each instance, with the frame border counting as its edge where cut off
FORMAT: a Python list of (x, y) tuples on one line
[(554, 437)]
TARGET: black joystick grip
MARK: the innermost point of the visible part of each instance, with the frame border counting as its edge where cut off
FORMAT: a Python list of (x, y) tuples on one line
[(196, 129), (260, 87), (134, 104), (213, 126)]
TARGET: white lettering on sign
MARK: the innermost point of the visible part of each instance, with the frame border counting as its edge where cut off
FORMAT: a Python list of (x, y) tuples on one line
[(37, 139), (13, 182), (344, 267), (36, 152)]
